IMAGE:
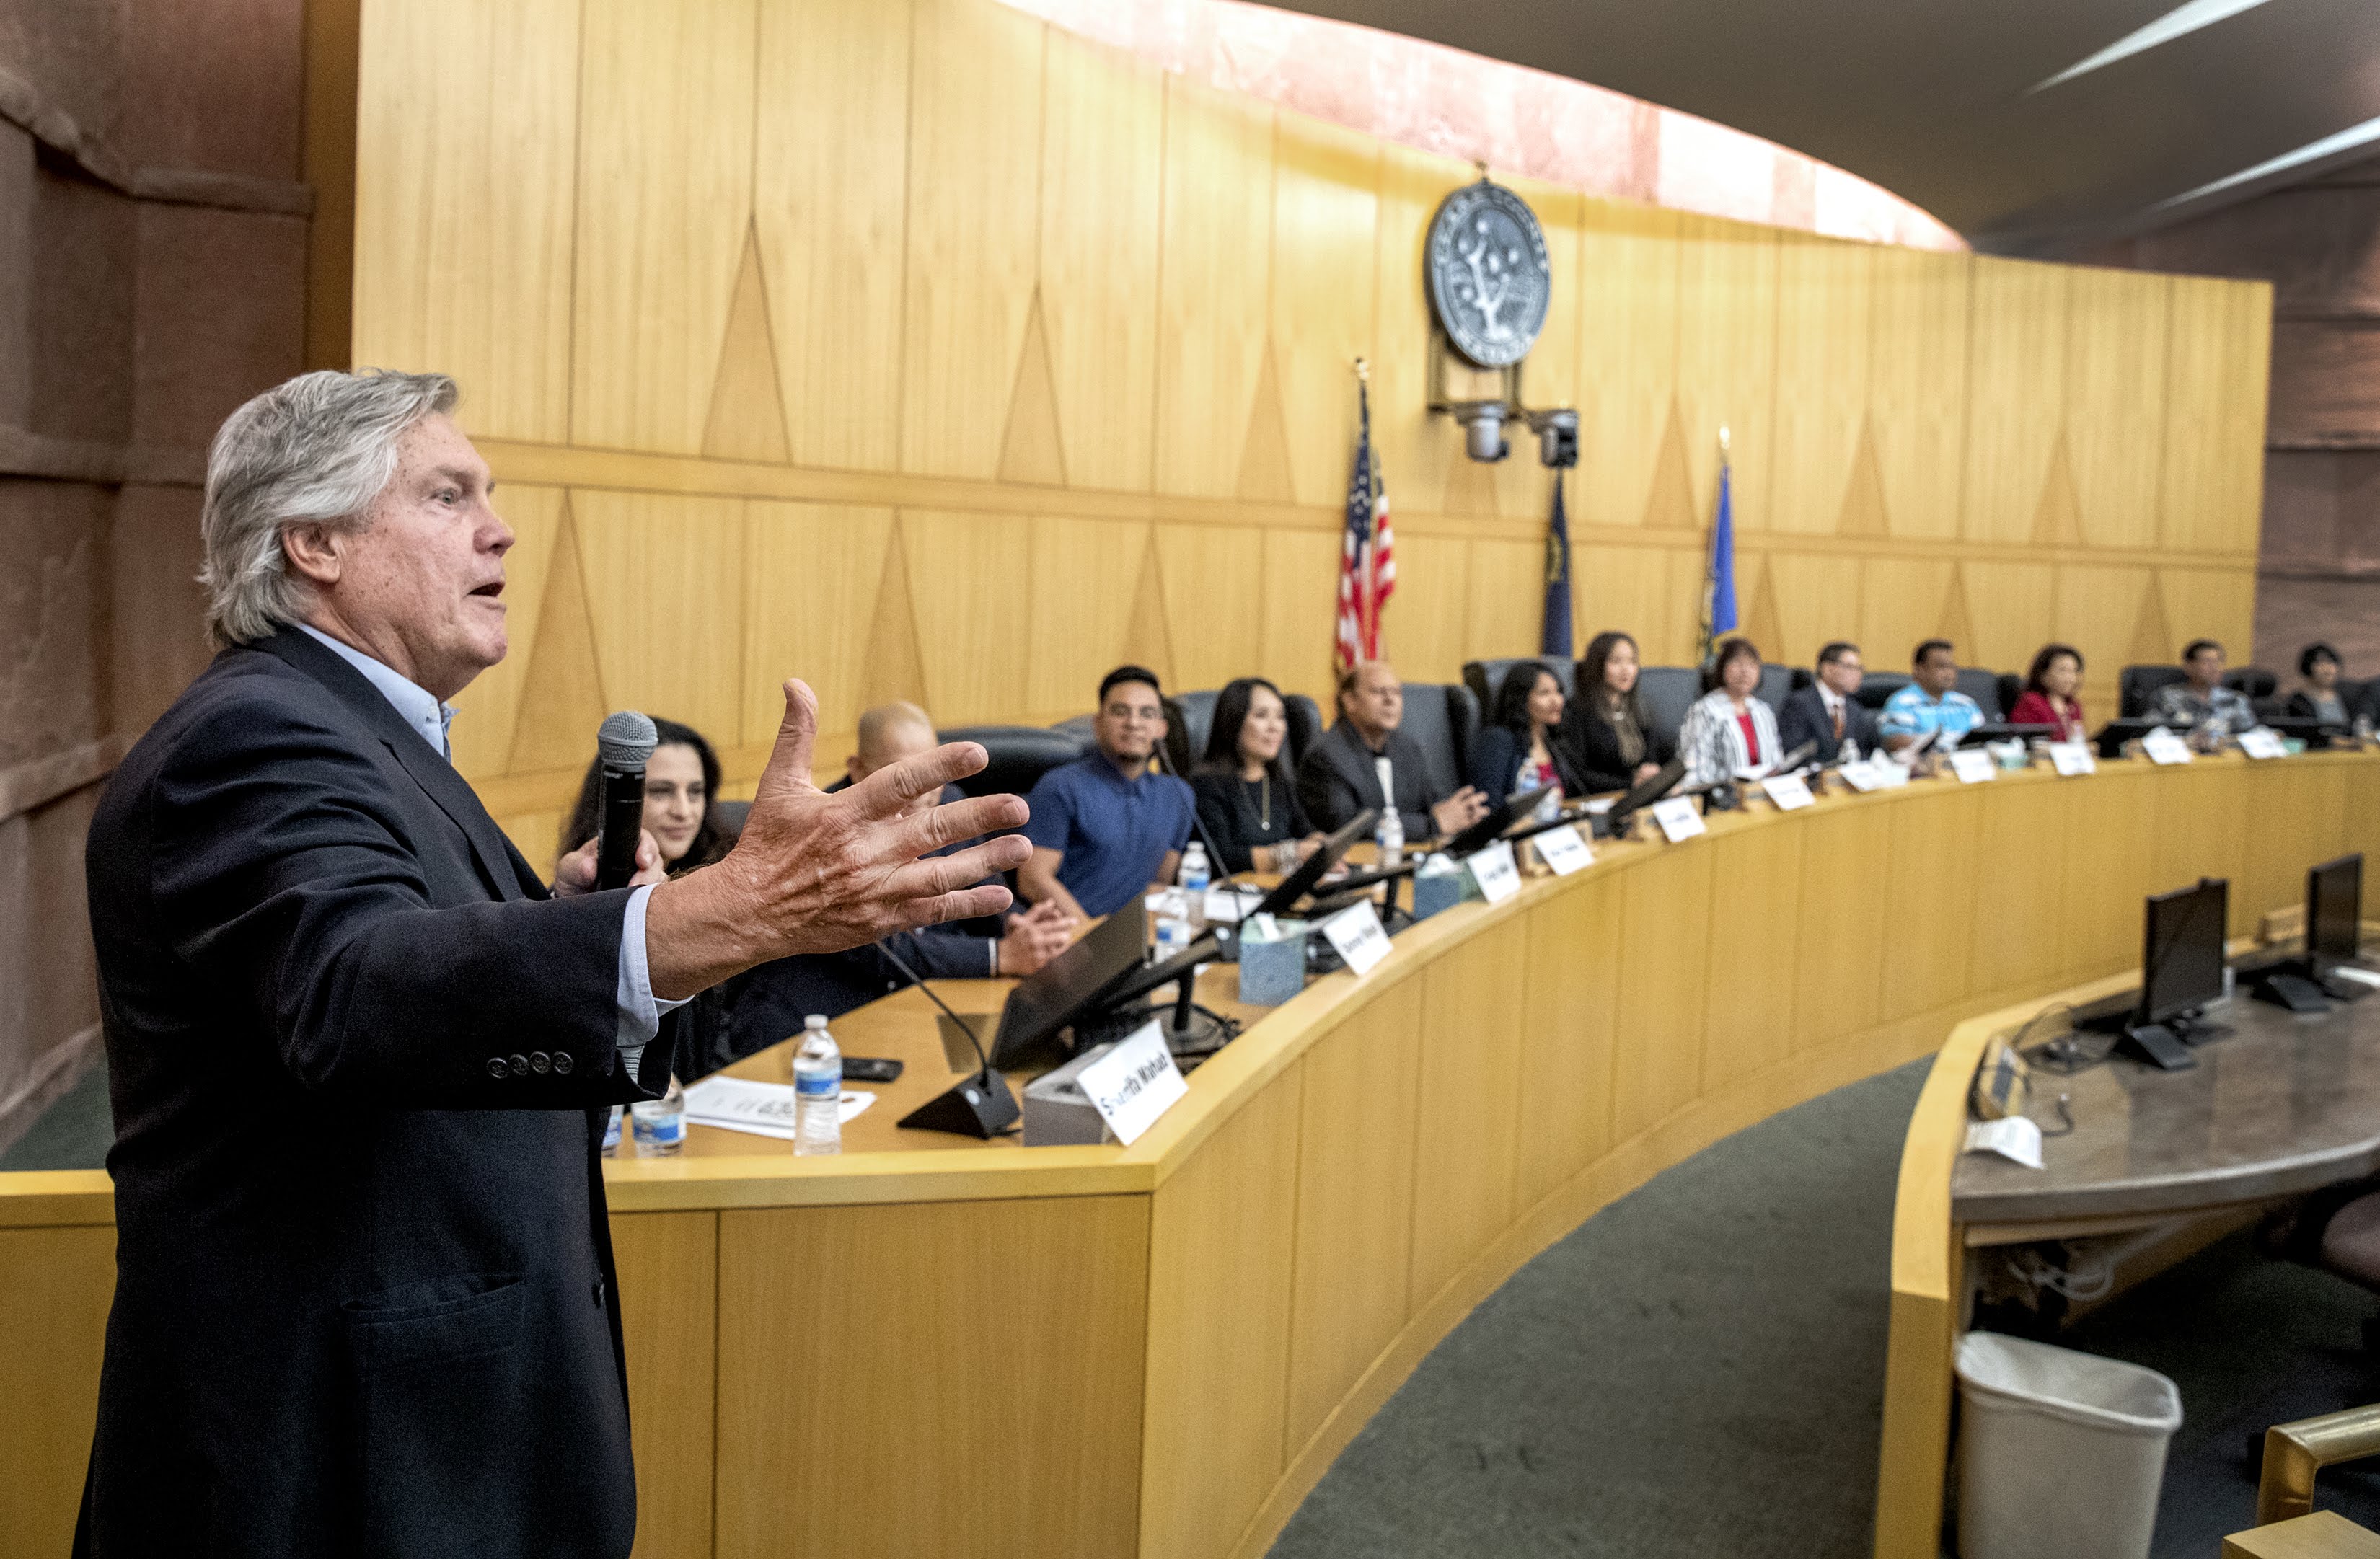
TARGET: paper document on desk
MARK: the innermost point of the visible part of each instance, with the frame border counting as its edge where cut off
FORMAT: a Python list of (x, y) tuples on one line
[(2349, 972), (2013, 1137), (765, 1109)]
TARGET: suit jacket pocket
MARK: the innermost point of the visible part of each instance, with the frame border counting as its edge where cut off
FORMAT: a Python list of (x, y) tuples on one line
[(444, 1418)]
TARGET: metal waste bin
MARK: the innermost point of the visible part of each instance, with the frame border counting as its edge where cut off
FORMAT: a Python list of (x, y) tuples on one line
[(2059, 1452)]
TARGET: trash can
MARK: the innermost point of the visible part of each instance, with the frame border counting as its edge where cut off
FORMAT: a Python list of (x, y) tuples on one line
[(2059, 1452)]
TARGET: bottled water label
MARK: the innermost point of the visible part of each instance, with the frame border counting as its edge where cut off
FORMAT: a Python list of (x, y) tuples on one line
[(819, 1082), (660, 1130)]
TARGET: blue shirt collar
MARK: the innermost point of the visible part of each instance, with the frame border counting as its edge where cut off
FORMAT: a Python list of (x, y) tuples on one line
[(416, 705)]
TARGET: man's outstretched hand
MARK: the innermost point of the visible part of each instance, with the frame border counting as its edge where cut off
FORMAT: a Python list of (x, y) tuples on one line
[(815, 873)]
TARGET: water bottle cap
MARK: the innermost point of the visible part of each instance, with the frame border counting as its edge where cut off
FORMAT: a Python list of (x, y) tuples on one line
[(815, 1021)]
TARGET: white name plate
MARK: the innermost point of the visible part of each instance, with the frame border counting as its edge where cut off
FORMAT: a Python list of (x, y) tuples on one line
[(1134, 1084), (2164, 747), (2262, 743), (1890, 774), (1498, 874), (1562, 850), (1789, 792), (1861, 776), (1225, 905), (2070, 758), (1358, 936), (1974, 766), (1678, 818)]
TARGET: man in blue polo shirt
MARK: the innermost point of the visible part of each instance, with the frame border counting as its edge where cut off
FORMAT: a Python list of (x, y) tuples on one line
[(1104, 827), (1931, 703)]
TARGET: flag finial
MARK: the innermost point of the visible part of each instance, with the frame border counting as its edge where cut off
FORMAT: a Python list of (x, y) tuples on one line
[(1722, 439), (1364, 369)]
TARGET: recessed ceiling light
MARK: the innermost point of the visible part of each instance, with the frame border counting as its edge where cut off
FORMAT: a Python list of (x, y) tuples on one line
[(2312, 151), (2184, 18)]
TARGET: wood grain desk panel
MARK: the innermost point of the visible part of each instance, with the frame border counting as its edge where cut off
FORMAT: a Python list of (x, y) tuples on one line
[(1222, 1306)]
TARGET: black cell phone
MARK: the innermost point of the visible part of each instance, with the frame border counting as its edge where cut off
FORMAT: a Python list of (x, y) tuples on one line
[(870, 1069)]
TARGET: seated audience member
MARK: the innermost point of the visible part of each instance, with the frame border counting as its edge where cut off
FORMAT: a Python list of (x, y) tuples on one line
[(1727, 731), (1106, 826), (1519, 748), (2048, 696), (1245, 794), (2319, 699), (1364, 761), (2202, 703), (1611, 740), (1824, 713), (1931, 703)]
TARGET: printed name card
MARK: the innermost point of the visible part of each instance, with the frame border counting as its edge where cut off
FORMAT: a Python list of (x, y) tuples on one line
[(2164, 747), (2261, 742), (1358, 936), (1861, 776), (1498, 874), (2070, 758), (1972, 766), (1678, 818), (1134, 1084), (1562, 850), (1789, 792), (1890, 774), (1225, 905), (2013, 1138)]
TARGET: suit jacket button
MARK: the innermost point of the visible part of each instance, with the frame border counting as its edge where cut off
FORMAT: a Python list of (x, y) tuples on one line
[(539, 1061), (496, 1067), (520, 1066), (562, 1063)]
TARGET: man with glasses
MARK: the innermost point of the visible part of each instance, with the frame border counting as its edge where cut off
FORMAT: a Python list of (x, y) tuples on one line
[(1105, 827), (1826, 713)]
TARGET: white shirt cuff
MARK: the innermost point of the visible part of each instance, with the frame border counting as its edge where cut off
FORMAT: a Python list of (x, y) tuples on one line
[(640, 1011)]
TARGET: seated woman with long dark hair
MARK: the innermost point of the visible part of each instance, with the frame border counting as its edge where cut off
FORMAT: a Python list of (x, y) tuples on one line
[(2048, 696), (1245, 794), (1518, 748), (1605, 726)]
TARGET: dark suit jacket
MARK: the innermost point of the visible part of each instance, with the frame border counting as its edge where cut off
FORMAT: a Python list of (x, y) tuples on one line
[(1496, 754), (1804, 719), (360, 1064), (1336, 781), (1595, 748)]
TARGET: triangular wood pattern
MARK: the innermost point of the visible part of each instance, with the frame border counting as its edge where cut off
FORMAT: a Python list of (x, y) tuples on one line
[(562, 695), (1670, 504), (2152, 637), (1033, 448), (895, 669), (1863, 512), (1148, 633), (1470, 488), (1761, 625), (747, 410), (2058, 519), (1957, 623), (1264, 455)]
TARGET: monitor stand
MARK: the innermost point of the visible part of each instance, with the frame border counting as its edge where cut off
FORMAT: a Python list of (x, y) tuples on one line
[(2295, 990), (2156, 1045)]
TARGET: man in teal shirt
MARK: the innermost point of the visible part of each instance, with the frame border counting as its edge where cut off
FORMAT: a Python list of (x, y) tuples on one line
[(1930, 703)]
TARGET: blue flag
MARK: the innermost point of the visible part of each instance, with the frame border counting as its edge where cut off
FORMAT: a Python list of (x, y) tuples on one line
[(1719, 609), (1554, 644)]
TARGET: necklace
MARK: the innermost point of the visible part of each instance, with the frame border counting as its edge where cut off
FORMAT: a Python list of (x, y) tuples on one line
[(1264, 793)]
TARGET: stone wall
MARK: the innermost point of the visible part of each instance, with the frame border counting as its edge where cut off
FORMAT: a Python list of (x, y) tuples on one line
[(152, 254)]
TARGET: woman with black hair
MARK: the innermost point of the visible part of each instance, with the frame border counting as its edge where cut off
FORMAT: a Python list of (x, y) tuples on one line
[(2319, 699), (1606, 728), (1728, 731), (1245, 794), (1517, 749), (681, 781), (2048, 696)]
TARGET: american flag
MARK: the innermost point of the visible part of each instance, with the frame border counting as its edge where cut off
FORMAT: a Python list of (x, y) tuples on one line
[(1367, 559)]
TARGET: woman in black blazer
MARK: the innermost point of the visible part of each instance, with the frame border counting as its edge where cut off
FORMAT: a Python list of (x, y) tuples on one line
[(1609, 736), (1518, 749), (1244, 793)]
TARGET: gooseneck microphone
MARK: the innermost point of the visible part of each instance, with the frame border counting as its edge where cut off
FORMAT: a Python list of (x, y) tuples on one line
[(978, 1105), (623, 745)]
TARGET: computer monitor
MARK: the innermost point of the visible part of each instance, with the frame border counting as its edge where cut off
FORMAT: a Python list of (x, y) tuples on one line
[(2182, 957), (1079, 981), (1646, 791), (1299, 882), (2334, 916), (2006, 730)]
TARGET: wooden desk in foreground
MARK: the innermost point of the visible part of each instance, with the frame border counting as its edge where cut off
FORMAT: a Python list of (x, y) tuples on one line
[(945, 1347)]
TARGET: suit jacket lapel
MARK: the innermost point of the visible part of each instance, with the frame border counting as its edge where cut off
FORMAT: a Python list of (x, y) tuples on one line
[(430, 770)]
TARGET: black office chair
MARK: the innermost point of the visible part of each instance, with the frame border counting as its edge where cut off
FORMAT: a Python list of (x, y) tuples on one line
[(1441, 718), (730, 816), (1776, 687), (2135, 685), (1984, 688), (2011, 687), (1877, 686), (1020, 754), (1485, 678), (1189, 719), (1304, 726), (1669, 693), (2251, 682)]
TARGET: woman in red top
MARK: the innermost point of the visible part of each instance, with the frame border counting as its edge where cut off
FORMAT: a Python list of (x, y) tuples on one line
[(2048, 695)]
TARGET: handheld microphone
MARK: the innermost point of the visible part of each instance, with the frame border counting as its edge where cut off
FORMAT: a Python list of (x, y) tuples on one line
[(979, 1106), (623, 745)]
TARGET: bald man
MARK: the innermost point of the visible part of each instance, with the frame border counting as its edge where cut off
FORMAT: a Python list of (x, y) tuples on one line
[(1364, 761), (777, 996)]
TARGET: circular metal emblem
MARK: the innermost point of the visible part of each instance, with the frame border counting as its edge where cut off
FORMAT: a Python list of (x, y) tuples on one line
[(1488, 278)]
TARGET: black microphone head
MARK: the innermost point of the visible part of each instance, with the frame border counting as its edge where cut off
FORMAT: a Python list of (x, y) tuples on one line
[(627, 740)]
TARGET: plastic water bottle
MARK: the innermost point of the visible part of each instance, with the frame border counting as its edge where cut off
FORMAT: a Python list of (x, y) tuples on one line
[(1390, 838), (612, 1132), (659, 1123), (818, 1091), (1193, 878)]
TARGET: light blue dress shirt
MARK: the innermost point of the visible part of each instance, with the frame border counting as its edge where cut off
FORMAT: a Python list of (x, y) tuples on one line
[(640, 1011)]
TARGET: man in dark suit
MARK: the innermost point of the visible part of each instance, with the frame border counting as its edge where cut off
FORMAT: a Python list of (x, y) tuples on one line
[(360, 1057), (1826, 713), (1364, 761)]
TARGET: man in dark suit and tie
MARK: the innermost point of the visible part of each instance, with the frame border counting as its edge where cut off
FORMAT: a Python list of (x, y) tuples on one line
[(360, 1055), (1364, 761), (1826, 713)]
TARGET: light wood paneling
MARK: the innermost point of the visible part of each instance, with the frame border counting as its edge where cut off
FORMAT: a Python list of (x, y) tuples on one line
[(1300, 568), (1900, 605), (1215, 291), (1727, 361), (2014, 610), (2109, 839), (1651, 593), (1471, 1077), (485, 711), (1928, 890), (664, 582), (1550, 377), (668, 1266), (1917, 388), (2012, 943), (797, 554), (1082, 577), (2115, 402), (55, 1284), (1325, 209), (864, 1339), (1418, 449), (1664, 967), (2221, 348), (833, 94), (1568, 1039), (664, 205), (1214, 590), (1752, 979), (1838, 916), (1628, 308), (1817, 602), (1507, 585), (2016, 394), (970, 576), (463, 215), (1424, 629), (1825, 308), (2208, 603)]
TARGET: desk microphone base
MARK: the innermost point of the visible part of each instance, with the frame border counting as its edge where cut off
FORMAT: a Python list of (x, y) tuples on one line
[(2154, 1043), (977, 1105)]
